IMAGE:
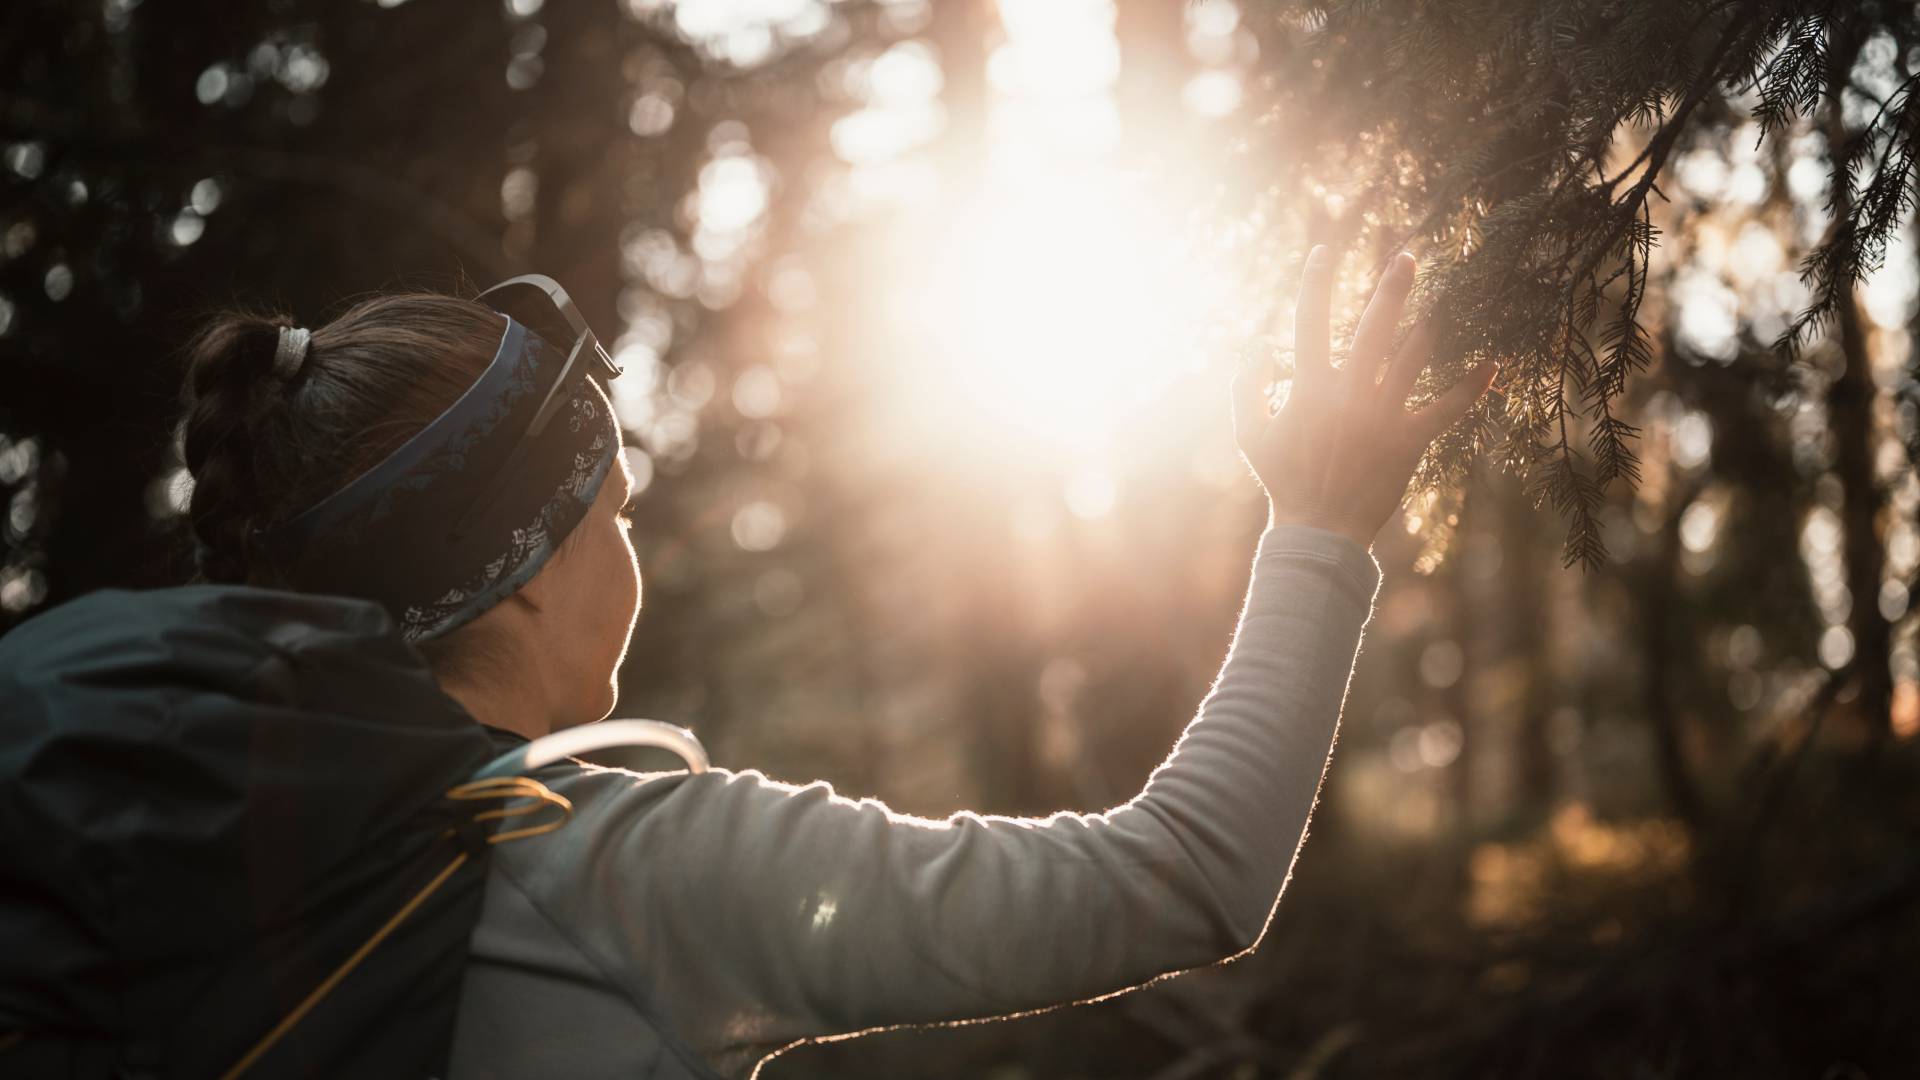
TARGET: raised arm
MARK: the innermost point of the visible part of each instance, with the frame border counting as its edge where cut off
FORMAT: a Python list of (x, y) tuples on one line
[(749, 914), (766, 913)]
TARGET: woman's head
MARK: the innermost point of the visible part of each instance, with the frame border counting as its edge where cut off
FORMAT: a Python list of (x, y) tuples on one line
[(262, 448)]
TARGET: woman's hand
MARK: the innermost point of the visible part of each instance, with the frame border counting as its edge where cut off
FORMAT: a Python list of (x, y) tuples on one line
[(1340, 452)]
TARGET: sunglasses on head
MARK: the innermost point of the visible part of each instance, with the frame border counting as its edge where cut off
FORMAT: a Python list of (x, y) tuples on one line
[(537, 302), (540, 304)]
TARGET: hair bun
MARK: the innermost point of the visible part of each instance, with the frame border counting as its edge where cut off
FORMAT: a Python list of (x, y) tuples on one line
[(233, 381)]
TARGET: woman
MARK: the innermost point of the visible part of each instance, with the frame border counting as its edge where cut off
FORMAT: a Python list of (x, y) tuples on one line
[(693, 925)]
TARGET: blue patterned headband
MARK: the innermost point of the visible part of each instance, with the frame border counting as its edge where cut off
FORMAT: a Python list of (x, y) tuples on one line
[(390, 534)]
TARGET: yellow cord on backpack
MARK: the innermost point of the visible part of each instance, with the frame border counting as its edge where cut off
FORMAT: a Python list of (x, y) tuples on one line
[(502, 787)]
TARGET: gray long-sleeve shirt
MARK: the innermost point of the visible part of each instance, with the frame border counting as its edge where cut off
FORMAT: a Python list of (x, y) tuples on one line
[(690, 926)]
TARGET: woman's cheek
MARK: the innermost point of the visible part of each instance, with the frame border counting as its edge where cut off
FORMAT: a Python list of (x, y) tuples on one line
[(631, 564), (627, 592)]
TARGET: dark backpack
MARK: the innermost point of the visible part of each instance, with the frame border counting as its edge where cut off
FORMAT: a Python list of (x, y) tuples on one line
[(212, 797)]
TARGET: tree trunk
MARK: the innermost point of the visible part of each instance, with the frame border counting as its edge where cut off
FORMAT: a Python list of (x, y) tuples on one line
[(1535, 781), (1153, 66), (1666, 646), (1458, 697), (1850, 412)]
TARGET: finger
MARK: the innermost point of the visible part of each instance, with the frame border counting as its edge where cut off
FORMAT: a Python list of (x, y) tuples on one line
[(1311, 313), (1407, 365), (1250, 411), (1373, 339), (1453, 404)]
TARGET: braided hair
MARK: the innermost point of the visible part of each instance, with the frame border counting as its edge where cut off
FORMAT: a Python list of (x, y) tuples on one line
[(262, 447)]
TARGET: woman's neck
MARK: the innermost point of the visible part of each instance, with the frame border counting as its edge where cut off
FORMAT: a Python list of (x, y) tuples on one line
[(516, 709)]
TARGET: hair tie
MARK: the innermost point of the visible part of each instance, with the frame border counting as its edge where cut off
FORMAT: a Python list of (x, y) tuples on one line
[(292, 351)]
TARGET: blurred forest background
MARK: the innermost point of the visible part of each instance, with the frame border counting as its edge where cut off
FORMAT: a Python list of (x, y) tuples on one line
[(928, 312)]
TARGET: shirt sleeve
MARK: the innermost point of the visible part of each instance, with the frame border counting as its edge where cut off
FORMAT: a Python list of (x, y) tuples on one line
[(748, 914)]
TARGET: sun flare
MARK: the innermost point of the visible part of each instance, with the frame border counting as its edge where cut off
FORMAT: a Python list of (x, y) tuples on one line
[(1060, 304), (1049, 292)]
